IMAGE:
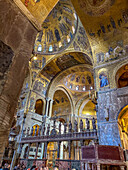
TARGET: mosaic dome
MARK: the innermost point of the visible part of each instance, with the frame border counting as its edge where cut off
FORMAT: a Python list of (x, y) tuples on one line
[(95, 7), (58, 30), (80, 81)]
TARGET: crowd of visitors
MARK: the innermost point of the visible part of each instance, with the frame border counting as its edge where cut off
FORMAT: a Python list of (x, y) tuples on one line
[(21, 167)]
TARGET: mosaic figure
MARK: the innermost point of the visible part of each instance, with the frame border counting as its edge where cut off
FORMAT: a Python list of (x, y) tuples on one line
[(40, 36), (57, 35), (103, 80), (89, 79)]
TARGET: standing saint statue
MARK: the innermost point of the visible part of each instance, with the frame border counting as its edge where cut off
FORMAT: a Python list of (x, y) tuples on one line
[(65, 127), (70, 127), (32, 131), (81, 125), (94, 123), (87, 123), (60, 128), (75, 126)]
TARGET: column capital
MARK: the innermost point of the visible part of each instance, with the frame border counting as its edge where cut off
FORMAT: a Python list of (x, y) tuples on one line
[(47, 99)]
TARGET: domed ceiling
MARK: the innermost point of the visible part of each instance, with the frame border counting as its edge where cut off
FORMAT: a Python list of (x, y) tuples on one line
[(58, 29), (80, 81), (63, 62), (95, 7)]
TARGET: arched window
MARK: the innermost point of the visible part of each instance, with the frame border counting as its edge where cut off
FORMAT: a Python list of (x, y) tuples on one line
[(39, 107), (122, 76), (123, 127), (50, 48), (39, 49)]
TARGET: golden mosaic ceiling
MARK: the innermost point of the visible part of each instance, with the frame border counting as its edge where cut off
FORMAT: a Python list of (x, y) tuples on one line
[(36, 10), (58, 29), (79, 81), (64, 62), (106, 23)]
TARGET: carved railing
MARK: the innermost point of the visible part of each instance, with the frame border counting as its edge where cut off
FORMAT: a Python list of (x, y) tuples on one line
[(44, 135), (76, 136)]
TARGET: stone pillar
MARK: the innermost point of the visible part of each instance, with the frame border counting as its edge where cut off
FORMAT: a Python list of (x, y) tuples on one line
[(109, 103), (37, 145), (98, 166), (86, 166), (122, 167), (82, 166), (47, 106), (58, 150), (45, 150), (61, 150), (50, 110), (69, 148), (42, 151), (29, 145), (3, 140)]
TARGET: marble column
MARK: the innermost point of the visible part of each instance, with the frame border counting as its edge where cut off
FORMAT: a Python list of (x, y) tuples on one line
[(98, 166), (122, 167), (86, 166), (69, 149), (58, 150), (45, 150), (42, 148), (27, 154), (82, 165), (37, 146), (47, 106), (50, 109), (61, 150)]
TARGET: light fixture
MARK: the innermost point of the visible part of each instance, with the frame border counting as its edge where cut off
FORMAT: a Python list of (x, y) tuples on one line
[(35, 58), (91, 87), (84, 88)]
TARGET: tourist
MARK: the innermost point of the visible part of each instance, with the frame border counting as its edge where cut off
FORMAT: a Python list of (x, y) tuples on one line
[(6, 167)]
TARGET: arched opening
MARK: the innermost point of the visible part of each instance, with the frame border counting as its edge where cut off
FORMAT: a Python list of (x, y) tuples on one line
[(122, 76), (87, 110), (52, 154), (34, 127), (61, 106), (39, 106), (123, 127)]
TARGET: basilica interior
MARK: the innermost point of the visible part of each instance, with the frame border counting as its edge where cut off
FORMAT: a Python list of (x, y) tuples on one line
[(64, 84)]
